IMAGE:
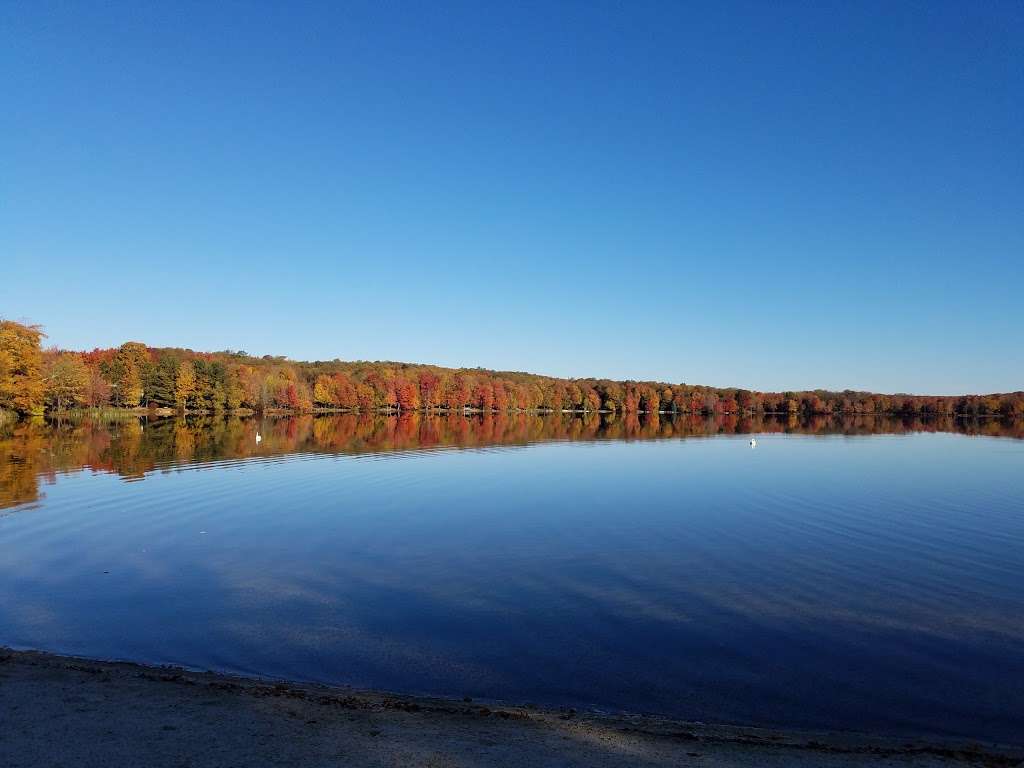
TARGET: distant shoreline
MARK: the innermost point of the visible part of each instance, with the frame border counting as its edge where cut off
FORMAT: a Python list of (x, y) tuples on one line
[(109, 713)]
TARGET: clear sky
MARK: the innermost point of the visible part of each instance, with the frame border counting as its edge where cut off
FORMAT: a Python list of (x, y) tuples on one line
[(769, 195)]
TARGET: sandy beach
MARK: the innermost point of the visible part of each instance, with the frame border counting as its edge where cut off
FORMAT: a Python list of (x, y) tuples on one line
[(64, 711)]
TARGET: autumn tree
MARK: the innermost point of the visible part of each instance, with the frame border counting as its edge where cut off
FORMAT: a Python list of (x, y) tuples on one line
[(345, 392), (291, 396), (97, 390), (383, 385), (184, 384), (211, 384), (365, 397), (457, 393), (22, 388), (127, 371), (324, 391), (613, 396), (651, 402), (499, 396), (483, 396), (233, 388), (430, 393), (631, 402), (407, 394), (744, 399), (67, 379)]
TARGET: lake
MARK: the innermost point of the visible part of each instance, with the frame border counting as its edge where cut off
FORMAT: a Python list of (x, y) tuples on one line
[(855, 574)]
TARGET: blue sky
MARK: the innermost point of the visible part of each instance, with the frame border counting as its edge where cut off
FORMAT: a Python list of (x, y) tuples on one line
[(752, 194)]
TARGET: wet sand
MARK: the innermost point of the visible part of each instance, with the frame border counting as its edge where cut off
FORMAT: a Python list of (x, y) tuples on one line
[(63, 711)]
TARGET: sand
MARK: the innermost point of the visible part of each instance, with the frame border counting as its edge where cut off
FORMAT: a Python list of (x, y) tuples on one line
[(63, 711)]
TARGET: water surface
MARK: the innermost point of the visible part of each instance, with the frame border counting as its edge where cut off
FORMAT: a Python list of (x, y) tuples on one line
[(830, 577)]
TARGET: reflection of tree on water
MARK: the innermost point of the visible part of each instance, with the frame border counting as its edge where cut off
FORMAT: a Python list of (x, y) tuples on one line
[(34, 451)]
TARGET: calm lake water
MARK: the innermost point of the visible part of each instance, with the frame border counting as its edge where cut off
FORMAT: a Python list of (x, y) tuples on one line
[(829, 577)]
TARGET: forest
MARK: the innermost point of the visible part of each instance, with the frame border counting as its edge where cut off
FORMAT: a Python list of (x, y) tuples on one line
[(34, 381)]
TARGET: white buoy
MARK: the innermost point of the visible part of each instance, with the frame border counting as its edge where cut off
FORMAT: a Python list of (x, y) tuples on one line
[(753, 443), (258, 438)]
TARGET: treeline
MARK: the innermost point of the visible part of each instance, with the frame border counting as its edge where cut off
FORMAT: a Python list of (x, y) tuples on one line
[(133, 375)]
